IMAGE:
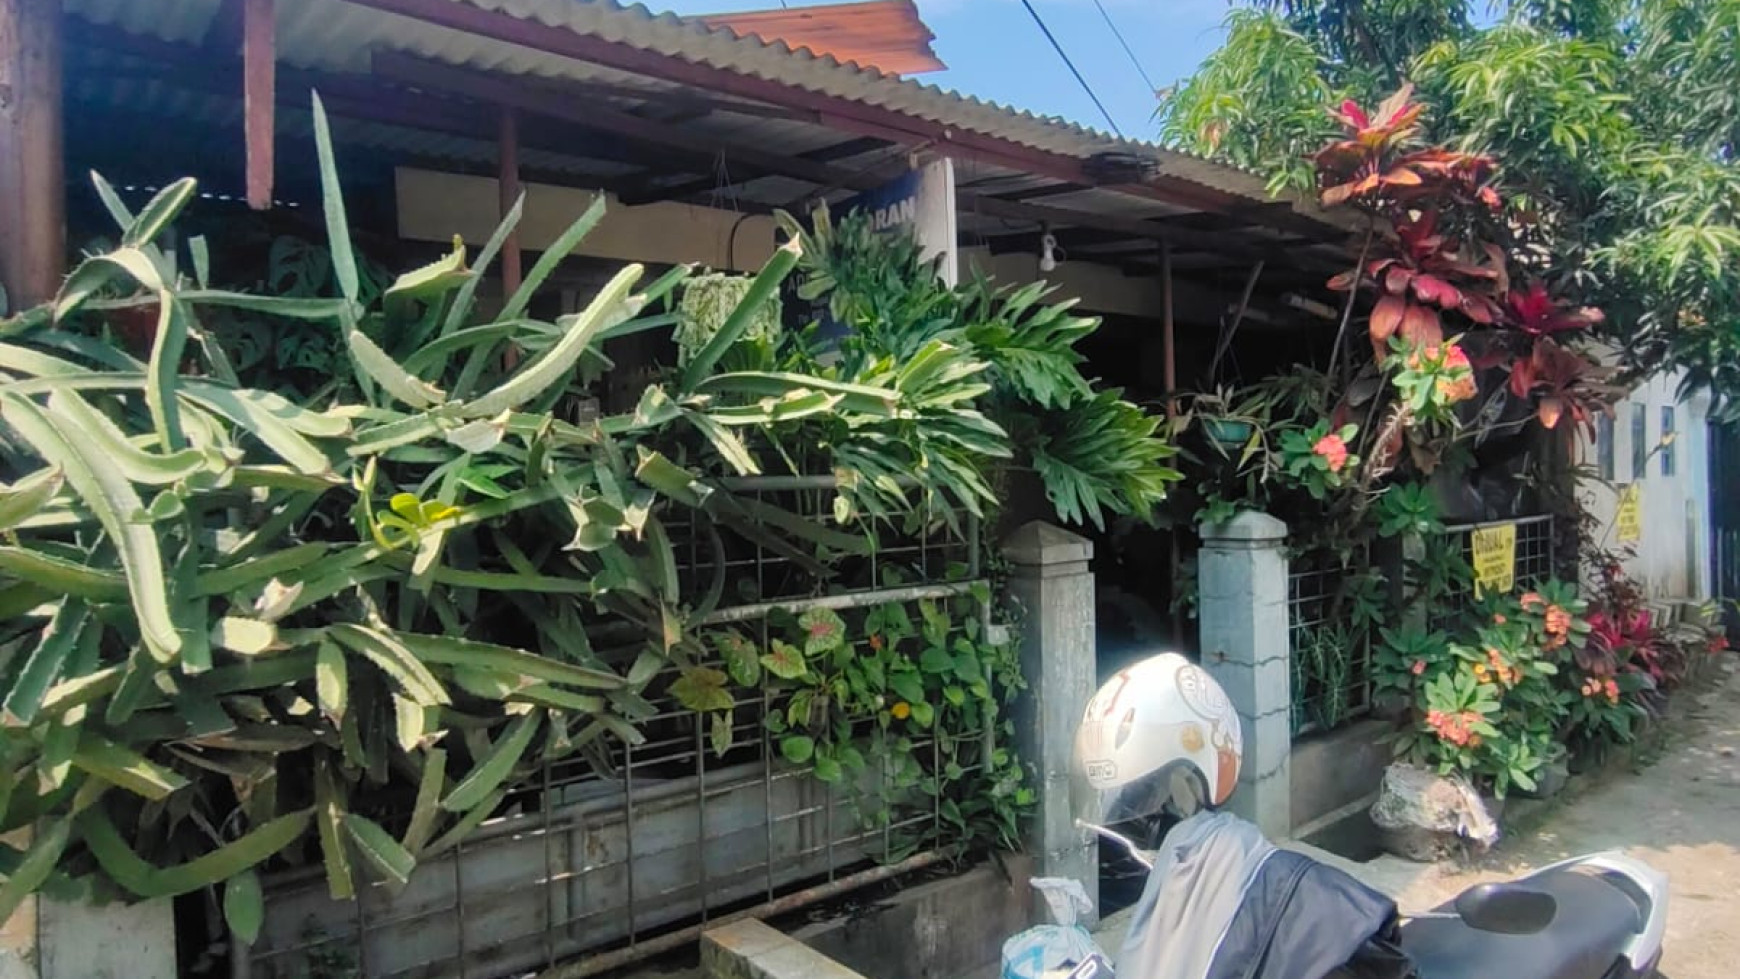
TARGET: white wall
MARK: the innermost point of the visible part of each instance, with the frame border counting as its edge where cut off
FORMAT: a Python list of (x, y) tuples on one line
[(1673, 558), (435, 206)]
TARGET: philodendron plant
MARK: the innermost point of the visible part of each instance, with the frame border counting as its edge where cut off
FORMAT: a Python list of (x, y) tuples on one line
[(236, 629)]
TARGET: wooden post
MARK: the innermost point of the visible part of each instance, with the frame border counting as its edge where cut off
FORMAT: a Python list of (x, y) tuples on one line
[(508, 183), (1168, 350), (32, 166), (259, 84), (508, 180)]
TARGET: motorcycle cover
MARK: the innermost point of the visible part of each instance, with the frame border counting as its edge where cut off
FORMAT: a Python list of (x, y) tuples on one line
[(1224, 903)]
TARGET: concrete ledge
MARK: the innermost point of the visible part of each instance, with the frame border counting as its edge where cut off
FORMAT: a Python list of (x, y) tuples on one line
[(948, 928), (751, 949), (1336, 769)]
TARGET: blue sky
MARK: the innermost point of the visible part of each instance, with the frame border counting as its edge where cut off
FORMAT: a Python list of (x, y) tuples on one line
[(995, 51)]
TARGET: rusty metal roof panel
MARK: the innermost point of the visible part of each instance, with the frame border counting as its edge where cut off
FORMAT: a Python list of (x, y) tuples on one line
[(887, 35)]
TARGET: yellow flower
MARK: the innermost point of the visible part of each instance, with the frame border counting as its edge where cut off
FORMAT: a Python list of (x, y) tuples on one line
[(901, 710)]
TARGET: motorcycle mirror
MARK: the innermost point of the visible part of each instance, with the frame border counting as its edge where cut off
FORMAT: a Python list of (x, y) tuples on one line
[(1506, 909)]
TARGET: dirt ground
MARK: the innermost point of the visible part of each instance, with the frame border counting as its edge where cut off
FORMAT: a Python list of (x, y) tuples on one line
[(1681, 814)]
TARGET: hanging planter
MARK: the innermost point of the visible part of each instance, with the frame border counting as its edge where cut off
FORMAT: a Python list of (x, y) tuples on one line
[(1228, 433)]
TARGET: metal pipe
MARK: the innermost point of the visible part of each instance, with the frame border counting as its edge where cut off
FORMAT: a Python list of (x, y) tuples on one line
[(821, 892), (882, 596)]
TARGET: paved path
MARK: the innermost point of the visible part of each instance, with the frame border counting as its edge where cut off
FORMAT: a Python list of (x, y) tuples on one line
[(1681, 814)]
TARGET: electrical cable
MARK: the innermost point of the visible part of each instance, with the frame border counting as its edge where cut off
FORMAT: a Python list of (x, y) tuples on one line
[(1072, 68), (1126, 46)]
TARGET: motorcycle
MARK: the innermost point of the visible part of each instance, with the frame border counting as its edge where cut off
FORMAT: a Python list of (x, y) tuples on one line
[(1160, 741), (1599, 916)]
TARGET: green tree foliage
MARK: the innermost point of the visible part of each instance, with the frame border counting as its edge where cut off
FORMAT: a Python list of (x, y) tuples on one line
[(1616, 124)]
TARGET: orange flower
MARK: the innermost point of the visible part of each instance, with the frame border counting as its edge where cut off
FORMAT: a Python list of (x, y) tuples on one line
[(1459, 388), (876, 641), (1558, 620), (1419, 667), (901, 710), (1332, 448), (1532, 598), (1498, 618)]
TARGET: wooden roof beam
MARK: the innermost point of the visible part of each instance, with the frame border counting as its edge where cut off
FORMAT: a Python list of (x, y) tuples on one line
[(1195, 239), (651, 192), (509, 91)]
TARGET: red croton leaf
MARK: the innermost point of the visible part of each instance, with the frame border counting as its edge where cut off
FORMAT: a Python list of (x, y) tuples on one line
[(1386, 317), (1396, 110), (1349, 114), (1431, 289), (1345, 282), (1400, 177), (1421, 326), (1535, 312), (1480, 309), (1396, 280)]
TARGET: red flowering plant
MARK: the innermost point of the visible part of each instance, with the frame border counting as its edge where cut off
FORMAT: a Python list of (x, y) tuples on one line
[(1421, 270), (1318, 459), (1437, 263)]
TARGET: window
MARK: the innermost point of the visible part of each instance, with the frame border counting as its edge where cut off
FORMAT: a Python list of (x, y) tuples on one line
[(1667, 440), (1604, 447), (1639, 441)]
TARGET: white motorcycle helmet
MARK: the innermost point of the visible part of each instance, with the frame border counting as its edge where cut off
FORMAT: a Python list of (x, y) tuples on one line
[(1160, 736)]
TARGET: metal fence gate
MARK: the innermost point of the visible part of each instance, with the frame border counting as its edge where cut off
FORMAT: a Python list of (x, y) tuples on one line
[(586, 871), (1536, 546), (1330, 658)]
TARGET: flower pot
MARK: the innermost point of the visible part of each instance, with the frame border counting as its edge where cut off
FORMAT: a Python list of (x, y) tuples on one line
[(1228, 433)]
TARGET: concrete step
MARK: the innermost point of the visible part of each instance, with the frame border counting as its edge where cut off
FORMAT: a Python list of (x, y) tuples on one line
[(751, 949)]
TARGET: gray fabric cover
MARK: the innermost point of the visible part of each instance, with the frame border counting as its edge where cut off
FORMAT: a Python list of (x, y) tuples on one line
[(1204, 867), (1223, 903)]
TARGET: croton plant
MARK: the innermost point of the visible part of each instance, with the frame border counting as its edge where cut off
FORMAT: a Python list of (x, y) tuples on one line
[(1436, 263)]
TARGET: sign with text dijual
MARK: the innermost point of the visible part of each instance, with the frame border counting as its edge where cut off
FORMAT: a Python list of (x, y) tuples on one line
[(1494, 553), (1628, 519)]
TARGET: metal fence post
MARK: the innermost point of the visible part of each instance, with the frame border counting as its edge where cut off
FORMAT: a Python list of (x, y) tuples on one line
[(1053, 585), (1242, 612)]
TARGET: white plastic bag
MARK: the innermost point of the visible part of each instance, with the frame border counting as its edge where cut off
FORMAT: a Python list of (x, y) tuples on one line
[(1034, 952)]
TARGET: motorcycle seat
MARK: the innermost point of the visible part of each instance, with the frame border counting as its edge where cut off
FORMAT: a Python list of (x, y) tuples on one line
[(1593, 922)]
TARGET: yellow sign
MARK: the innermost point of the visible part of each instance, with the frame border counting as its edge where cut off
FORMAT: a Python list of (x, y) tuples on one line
[(1494, 559), (1628, 521)]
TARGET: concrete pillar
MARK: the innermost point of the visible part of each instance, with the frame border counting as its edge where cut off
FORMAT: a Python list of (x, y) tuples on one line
[(1242, 612), (1054, 588), (60, 940)]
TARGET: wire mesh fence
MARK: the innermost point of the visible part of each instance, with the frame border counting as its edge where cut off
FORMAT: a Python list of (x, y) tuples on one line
[(1535, 564), (1330, 654), (621, 850)]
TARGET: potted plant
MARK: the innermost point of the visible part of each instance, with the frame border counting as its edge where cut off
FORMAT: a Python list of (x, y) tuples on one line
[(1230, 420)]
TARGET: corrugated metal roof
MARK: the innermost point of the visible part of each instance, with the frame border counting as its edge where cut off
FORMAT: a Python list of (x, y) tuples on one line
[(336, 35), (887, 35)]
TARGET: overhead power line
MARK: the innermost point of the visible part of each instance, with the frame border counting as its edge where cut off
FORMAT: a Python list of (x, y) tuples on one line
[(1072, 68), (1126, 46)]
